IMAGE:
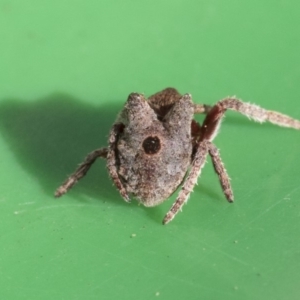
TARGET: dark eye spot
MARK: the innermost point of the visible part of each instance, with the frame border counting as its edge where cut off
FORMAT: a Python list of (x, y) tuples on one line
[(151, 144)]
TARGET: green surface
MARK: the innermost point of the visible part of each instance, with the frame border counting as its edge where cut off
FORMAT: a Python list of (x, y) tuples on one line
[(66, 68)]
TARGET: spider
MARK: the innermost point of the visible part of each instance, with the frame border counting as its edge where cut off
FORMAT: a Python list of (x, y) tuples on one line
[(155, 146)]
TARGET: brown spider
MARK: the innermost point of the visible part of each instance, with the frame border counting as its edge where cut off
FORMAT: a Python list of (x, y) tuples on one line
[(155, 143)]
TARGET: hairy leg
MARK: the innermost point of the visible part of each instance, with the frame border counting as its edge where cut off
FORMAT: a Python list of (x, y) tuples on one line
[(258, 113), (81, 171), (221, 171), (189, 183), (112, 160), (212, 121), (201, 108)]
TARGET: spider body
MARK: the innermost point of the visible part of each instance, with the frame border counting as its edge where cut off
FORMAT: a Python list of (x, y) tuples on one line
[(155, 145), (153, 152)]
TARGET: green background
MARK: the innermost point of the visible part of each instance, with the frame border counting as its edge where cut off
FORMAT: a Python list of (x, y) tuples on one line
[(66, 68)]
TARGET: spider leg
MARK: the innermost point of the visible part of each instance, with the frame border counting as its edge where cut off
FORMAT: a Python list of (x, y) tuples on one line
[(81, 171), (191, 180), (212, 122), (258, 113), (201, 108), (221, 171), (254, 112), (112, 160)]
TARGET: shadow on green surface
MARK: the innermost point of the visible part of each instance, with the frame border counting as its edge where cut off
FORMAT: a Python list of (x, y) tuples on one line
[(50, 136)]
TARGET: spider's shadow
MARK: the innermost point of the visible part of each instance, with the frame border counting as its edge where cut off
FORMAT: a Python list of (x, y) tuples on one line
[(50, 136)]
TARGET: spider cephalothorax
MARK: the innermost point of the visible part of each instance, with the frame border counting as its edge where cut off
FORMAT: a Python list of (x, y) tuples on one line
[(155, 145)]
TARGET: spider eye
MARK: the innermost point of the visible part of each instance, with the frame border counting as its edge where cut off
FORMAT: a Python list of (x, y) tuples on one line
[(151, 144)]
